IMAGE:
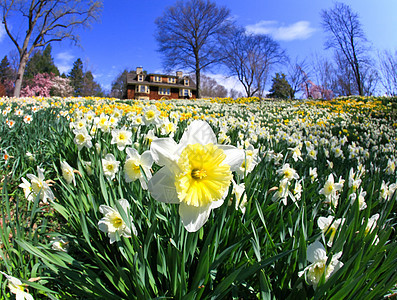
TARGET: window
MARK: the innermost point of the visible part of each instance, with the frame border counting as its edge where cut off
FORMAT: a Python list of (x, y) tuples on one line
[(185, 93), (142, 89), (186, 81), (140, 77), (164, 91), (157, 78), (171, 80)]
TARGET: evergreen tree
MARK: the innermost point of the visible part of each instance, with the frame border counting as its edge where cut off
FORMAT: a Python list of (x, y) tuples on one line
[(76, 77), (41, 62), (119, 86), (90, 86), (281, 89), (6, 71)]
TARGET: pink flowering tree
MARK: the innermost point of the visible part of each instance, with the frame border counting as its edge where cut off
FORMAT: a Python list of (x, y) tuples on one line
[(46, 85), (40, 85), (313, 91)]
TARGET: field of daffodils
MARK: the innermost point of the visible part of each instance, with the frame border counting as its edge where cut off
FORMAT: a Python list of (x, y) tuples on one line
[(198, 199)]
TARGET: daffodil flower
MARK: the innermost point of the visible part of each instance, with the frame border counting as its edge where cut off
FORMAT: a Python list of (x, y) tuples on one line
[(121, 137), (329, 226), (133, 165), (110, 166), (17, 287), (112, 221), (331, 189), (68, 173), (317, 256), (196, 173), (40, 187)]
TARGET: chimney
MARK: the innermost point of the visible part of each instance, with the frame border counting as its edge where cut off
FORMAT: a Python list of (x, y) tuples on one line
[(139, 70), (179, 74)]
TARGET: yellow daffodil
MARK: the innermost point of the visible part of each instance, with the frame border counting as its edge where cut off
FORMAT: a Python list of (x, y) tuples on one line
[(196, 173)]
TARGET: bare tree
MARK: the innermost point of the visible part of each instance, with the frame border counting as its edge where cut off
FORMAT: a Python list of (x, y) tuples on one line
[(210, 88), (189, 35), (296, 75), (323, 72), (388, 71), (42, 22), (347, 37), (250, 57)]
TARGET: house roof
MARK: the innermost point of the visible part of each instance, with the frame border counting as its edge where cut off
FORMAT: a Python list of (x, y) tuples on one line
[(132, 80)]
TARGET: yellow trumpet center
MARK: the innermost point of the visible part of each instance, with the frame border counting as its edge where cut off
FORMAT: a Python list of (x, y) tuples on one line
[(203, 176)]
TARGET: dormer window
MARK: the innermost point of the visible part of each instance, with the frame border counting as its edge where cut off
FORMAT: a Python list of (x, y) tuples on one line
[(186, 82), (140, 77), (157, 78), (171, 80)]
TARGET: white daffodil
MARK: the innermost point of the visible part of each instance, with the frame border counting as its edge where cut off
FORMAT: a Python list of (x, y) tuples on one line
[(40, 187), (329, 226), (150, 136), (112, 221), (110, 166), (82, 138), (296, 153), (68, 173), (331, 189), (196, 175), (241, 197), (168, 128), (361, 199), (134, 163), (17, 287), (311, 152), (151, 115), (288, 172), (27, 189), (391, 167), (313, 174), (59, 244), (250, 161), (371, 224), (282, 191), (318, 257), (121, 137), (102, 122)]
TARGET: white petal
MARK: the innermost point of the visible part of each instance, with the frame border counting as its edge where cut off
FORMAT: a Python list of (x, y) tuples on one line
[(218, 203), (134, 231), (315, 252), (147, 159), (234, 156), (132, 153), (164, 150), (198, 132), (324, 222), (104, 209), (162, 186), (124, 204), (193, 218), (102, 225)]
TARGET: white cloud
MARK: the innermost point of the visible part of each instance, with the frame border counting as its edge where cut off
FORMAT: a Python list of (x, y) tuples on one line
[(64, 61), (297, 31)]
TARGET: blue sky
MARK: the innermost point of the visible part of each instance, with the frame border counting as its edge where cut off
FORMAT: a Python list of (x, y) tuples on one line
[(125, 36)]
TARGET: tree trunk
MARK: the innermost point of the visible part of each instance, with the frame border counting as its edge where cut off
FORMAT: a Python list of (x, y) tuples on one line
[(20, 73), (198, 92)]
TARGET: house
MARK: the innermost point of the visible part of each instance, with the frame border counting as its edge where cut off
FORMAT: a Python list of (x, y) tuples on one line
[(143, 86)]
